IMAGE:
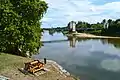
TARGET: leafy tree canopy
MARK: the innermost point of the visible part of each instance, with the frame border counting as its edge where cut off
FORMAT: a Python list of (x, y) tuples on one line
[(20, 30)]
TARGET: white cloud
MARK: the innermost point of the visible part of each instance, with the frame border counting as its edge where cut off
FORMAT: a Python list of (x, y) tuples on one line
[(112, 51), (111, 64), (114, 6), (62, 11)]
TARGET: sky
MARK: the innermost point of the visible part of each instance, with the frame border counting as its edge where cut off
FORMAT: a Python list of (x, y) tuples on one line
[(60, 12)]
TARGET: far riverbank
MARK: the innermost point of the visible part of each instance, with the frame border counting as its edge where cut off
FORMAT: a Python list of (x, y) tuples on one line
[(86, 35)]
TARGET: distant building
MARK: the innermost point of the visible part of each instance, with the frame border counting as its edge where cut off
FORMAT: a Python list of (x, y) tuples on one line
[(72, 26), (106, 24)]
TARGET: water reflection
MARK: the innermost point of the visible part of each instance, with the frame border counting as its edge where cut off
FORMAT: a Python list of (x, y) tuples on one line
[(73, 40), (91, 59), (49, 36), (111, 64)]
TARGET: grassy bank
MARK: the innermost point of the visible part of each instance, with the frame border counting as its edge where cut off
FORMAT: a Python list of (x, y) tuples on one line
[(9, 65), (8, 62)]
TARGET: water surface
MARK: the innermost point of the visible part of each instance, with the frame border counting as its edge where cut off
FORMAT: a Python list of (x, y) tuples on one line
[(90, 59)]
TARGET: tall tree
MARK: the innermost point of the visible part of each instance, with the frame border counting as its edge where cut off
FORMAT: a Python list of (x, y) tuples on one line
[(104, 20), (110, 21), (20, 30)]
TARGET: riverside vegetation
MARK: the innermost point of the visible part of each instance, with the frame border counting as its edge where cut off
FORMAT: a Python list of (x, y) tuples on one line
[(113, 28), (98, 28), (20, 21)]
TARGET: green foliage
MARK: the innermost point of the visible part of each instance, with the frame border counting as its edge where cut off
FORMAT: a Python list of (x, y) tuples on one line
[(20, 25), (113, 29), (51, 31), (98, 25), (98, 28), (104, 20), (81, 24)]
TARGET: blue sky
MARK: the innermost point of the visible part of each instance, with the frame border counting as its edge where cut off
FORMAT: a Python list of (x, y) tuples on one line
[(60, 12)]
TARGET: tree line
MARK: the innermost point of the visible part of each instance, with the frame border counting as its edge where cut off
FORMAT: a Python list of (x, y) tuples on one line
[(106, 27)]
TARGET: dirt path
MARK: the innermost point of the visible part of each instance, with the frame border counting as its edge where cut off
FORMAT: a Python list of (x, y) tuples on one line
[(85, 35)]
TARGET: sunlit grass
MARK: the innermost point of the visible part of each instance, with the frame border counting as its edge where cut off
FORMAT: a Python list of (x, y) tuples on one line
[(8, 62)]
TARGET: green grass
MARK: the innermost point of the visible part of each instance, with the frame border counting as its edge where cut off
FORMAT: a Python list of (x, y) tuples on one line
[(9, 65), (11, 62)]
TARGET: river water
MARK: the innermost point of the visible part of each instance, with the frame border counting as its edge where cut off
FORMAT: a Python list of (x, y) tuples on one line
[(90, 59)]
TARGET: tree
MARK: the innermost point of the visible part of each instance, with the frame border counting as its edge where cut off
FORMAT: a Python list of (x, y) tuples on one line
[(20, 30), (110, 21), (117, 21), (104, 20), (79, 24)]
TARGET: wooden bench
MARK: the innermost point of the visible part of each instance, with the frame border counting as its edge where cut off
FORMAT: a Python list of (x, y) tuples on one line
[(34, 66)]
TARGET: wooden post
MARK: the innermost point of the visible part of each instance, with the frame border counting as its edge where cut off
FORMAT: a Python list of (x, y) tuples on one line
[(45, 61)]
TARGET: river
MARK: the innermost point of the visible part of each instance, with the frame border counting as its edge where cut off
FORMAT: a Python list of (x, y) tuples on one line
[(90, 59)]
